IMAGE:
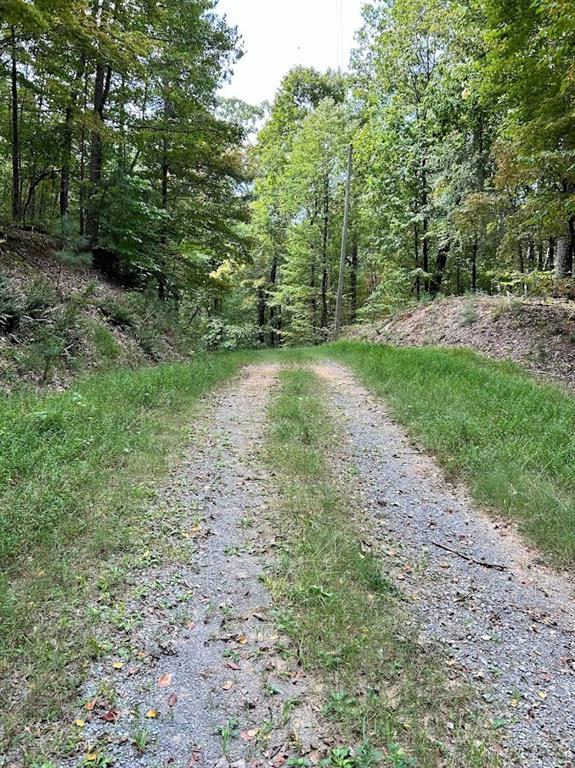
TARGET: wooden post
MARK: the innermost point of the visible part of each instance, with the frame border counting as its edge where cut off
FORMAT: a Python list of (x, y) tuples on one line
[(339, 300)]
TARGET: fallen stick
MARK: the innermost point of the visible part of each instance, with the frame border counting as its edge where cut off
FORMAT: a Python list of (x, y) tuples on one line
[(495, 566)]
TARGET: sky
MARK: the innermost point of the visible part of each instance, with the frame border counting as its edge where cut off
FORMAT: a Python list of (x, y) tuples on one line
[(280, 34)]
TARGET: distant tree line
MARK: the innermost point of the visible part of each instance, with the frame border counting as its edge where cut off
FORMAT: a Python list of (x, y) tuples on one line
[(461, 115)]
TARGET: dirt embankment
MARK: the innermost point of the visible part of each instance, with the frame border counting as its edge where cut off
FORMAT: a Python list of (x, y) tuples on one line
[(59, 316), (538, 334)]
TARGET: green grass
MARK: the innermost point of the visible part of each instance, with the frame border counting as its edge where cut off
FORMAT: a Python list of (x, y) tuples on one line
[(386, 692), (509, 436), (77, 472)]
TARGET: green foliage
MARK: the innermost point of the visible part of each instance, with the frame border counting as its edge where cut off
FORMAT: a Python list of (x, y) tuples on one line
[(460, 115), (132, 225), (533, 283), (11, 310), (74, 251), (392, 293), (218, 334), (121, 146), (106, 345)]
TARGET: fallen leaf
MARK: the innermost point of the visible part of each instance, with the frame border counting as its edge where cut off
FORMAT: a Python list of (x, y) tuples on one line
[(242, 639), (91, 757), (118, 664), (249, 735), (151, 713), (227, 685), (172, 700), (165, 680), (110, 716), (89, 705), (233, 665)]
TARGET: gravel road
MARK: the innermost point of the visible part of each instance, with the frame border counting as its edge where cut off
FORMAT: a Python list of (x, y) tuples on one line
[(209, 682), (513, 630)]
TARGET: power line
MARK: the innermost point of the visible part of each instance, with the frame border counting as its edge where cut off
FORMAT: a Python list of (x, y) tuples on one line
[(339, 33)]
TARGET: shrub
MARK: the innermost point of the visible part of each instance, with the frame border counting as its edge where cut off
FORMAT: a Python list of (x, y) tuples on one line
[(118, 313), (10, 310), (106, 345)]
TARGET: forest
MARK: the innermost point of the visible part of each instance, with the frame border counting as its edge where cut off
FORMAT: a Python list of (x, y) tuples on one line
[(461, 118), (256, 511)]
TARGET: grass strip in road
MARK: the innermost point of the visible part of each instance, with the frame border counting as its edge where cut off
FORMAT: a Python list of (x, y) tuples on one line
[(77, 472), (386, 691), (508, 435)]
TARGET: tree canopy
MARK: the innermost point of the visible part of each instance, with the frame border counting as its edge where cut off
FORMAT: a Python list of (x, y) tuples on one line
[(460, 113), (462, 124)]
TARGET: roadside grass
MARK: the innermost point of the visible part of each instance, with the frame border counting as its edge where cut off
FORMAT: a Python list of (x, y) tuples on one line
[(77, 473), (509, 436), (388, 693)]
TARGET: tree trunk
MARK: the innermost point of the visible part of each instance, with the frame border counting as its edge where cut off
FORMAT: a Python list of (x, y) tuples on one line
[(474, 262), (66, 161), (82, 195), (325, 276), (165, 174), (101, 91), (67, 142), (440, 264), (550, 254), (540, 259), (313, 300), (353, 279), (261, 300), (416, 248), (520, 257), (564, 256), (531, 253), (425, 223), (273, 314), (15, 138)]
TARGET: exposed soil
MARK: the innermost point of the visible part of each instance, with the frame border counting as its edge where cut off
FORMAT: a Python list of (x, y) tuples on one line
[(509, 628), (539, 335), (27, 256)]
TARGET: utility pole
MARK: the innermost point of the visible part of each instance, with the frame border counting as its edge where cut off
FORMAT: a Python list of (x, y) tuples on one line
[(339, 300)]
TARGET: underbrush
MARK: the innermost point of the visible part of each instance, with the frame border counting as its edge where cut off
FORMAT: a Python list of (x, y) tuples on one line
[(42, 331), (77, 469), (48, 337), (389, 698), (509, 436)]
